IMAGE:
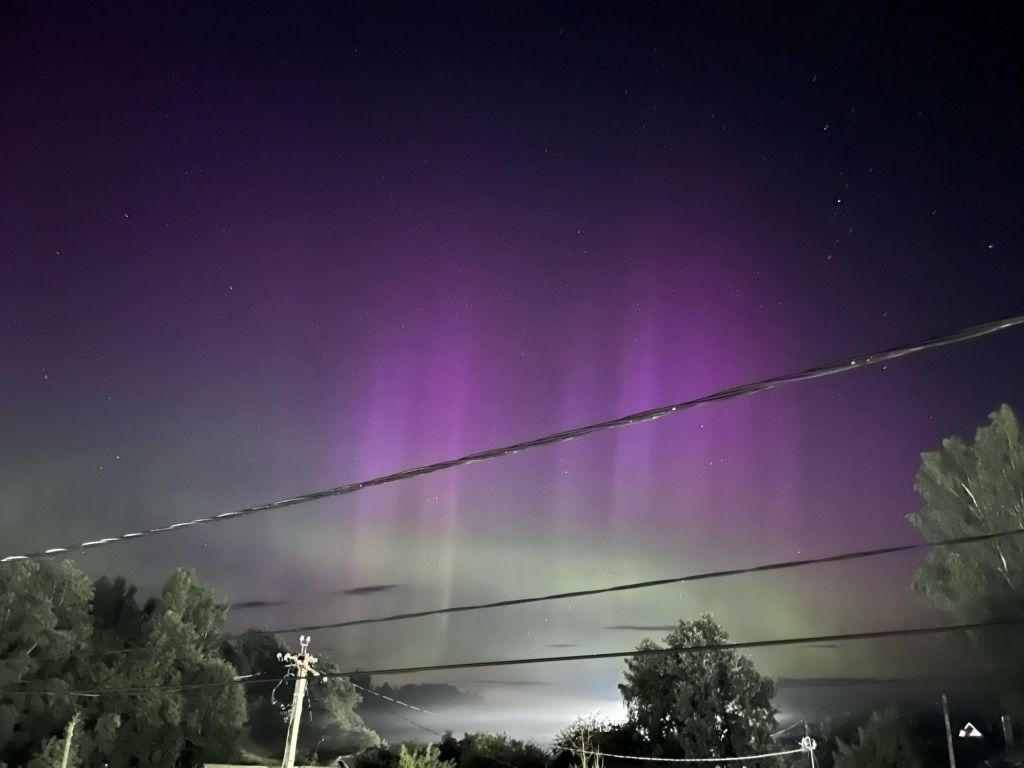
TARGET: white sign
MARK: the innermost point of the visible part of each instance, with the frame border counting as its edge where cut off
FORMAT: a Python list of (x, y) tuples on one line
[(970, 732)]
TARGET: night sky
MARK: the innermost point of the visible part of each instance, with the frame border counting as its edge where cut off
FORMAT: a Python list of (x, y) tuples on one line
[(250, 250)]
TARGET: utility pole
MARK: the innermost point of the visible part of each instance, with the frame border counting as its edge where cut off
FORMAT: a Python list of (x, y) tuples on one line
[(949, 732), (807, 742), (303, 663), (68, 735)]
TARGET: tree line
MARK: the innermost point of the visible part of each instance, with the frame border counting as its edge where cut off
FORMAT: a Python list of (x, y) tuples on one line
[(177, 692), (174, 691)]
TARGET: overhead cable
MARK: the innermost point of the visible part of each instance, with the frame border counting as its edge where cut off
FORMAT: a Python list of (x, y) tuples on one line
[(787, 729), (718, 647), (743, 645), (389, 698), (131, 690), (707, 575), (69, 656), (409, 720), (796, 751), (704, 576), (731, 393)]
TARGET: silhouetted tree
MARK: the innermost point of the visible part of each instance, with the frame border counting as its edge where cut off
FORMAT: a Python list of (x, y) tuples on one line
[(449, 748), (428, 757), (698, 704), (59, 631), (977, 488), (377, 757), (497, 750), (44, 621), (885, 742)]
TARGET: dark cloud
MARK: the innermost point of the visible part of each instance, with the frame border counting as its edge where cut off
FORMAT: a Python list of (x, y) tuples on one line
[(249, 605), (837, 682), (369, 589), (643, 627), (563, 645), (528, 683)]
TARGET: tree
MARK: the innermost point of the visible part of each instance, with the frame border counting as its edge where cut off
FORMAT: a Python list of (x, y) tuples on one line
[(698, 704), (972, 489), (44, 621), (59, 632), (335, 725), (425, 758), (188, 709), (585, 737), (497, 750), (885, 742), (377, 757), (256, 657)]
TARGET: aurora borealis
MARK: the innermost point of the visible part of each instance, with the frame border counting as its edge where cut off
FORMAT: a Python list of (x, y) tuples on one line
[(249, 250)]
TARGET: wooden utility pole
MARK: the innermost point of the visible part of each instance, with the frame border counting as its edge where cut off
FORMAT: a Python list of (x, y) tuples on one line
[(807, 742), (68, 735), (303, 663), (949, 732)]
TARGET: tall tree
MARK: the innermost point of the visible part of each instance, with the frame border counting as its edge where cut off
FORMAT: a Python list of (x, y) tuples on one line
[(976, 488), (44, 622), (173, 701), (698, 704), (885, 742), (188, 710)]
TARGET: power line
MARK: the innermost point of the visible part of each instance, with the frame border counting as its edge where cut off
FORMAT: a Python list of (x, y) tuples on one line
[(389, 698), (787, 729), (697, 759), (720, 647), (392, 712), (731, 393), (703, 576), (77, 655), (131, 690), (745, 645), (409, 720), (777, 566)]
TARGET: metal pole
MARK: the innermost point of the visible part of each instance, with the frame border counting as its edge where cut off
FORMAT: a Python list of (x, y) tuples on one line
[(949, 732)]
